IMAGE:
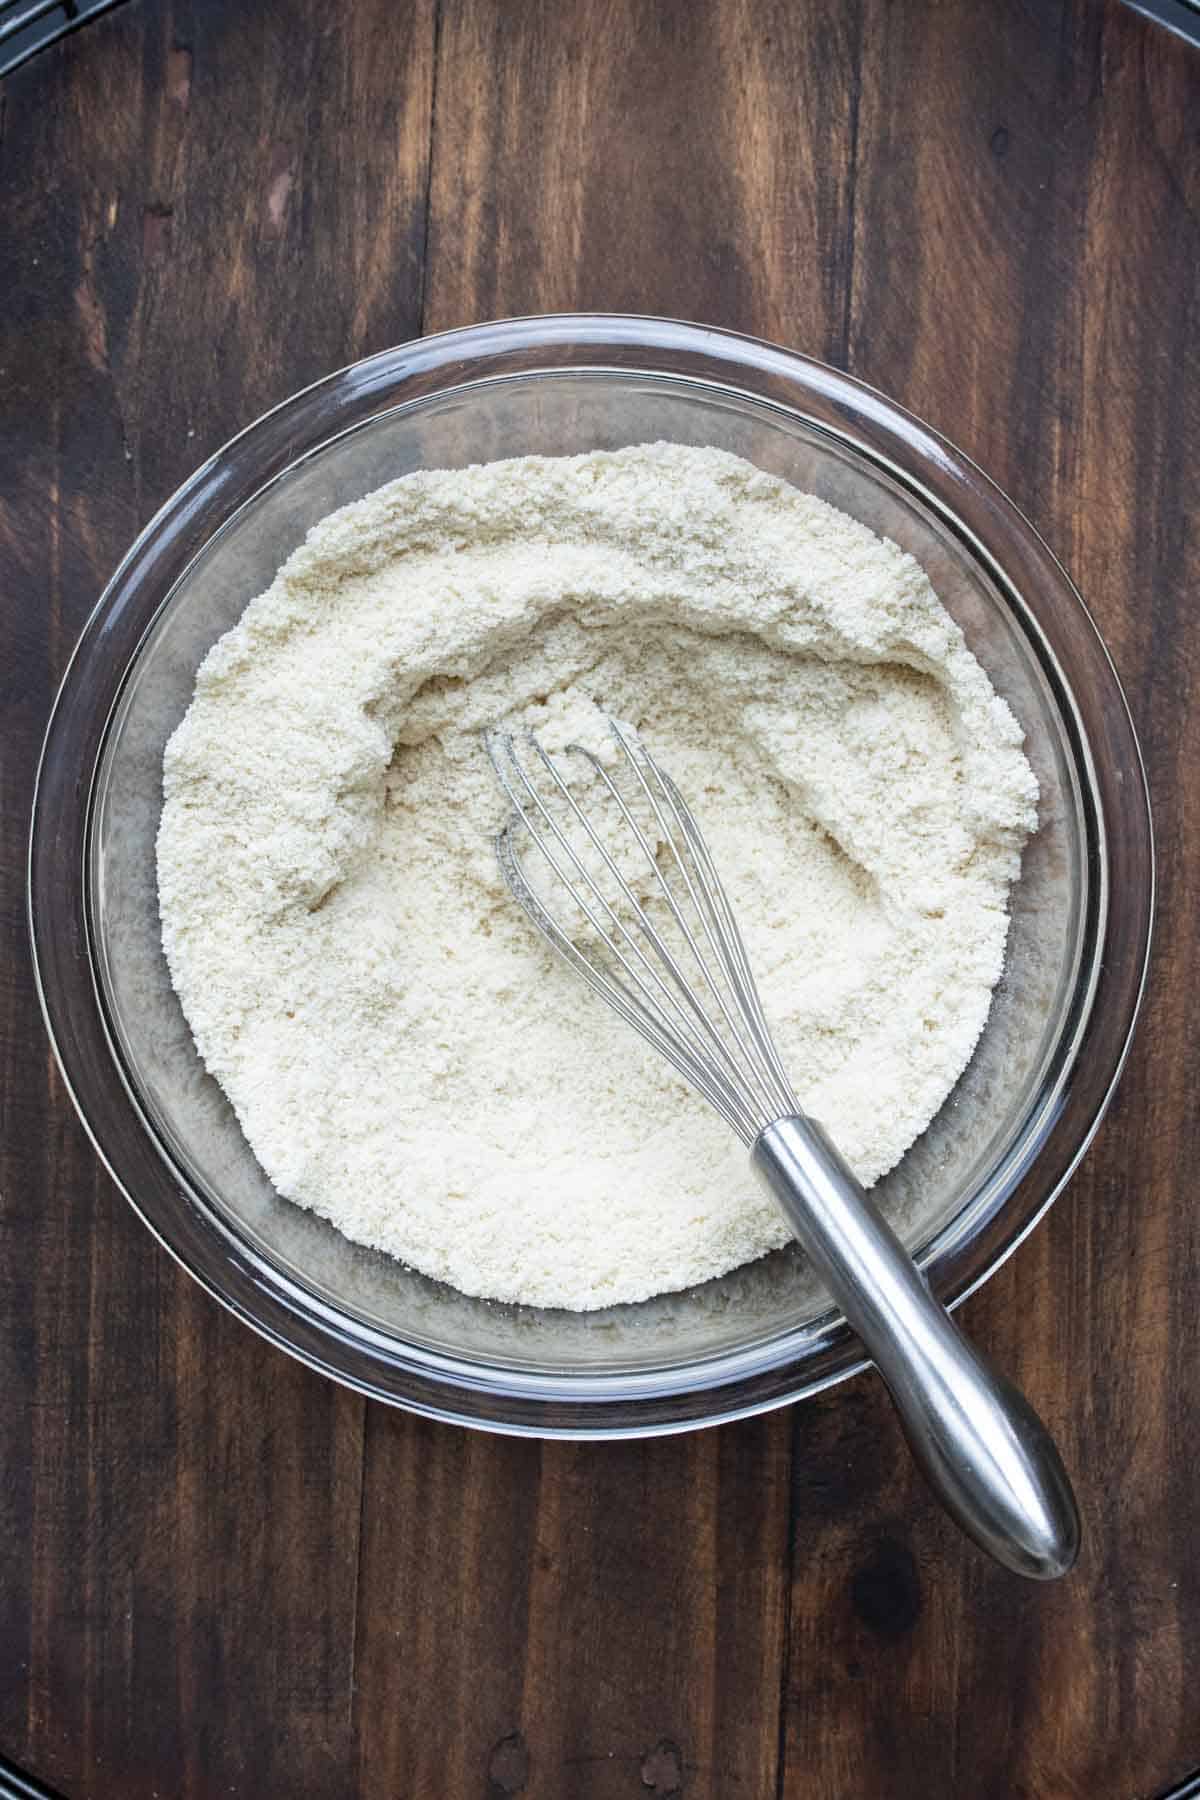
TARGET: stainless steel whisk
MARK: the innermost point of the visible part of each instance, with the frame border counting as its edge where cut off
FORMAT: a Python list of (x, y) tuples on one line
[(672, 964)]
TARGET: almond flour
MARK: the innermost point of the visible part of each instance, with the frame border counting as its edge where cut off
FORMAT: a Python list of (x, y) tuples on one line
[(405, 1056)]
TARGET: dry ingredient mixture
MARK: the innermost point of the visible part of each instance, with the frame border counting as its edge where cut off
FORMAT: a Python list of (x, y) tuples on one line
[(404, 1053)]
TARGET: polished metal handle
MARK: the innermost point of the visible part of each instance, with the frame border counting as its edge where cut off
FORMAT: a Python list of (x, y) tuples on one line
[(982, 1447)]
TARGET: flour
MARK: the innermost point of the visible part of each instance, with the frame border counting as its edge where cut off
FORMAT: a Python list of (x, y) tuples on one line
[(405, 1055)]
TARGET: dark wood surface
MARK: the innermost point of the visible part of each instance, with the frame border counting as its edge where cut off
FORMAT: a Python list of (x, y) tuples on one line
[(220, 1575)]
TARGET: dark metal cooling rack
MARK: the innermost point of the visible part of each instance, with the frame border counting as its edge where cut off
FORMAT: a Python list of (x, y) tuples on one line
[(26, 25), (1179, 16), (1190, 1789), (16, 1785)]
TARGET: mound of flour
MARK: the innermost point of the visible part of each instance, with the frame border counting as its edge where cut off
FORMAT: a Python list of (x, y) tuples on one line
[(404, 1054)]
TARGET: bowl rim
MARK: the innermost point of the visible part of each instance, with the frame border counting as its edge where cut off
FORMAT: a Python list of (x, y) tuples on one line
[(874, 429)]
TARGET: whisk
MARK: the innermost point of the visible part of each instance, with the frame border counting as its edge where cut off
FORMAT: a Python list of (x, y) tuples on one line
[(629, 895)]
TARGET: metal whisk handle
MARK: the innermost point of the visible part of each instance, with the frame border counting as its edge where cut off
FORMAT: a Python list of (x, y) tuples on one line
[(982, 1447)]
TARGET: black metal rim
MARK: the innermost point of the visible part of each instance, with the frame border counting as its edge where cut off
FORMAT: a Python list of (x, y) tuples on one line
[(27, 26), (15, 1784)]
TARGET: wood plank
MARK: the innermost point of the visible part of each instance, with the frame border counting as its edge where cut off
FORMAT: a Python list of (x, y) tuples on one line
[(572, 1620), (179, 1510), (690, 159), (1025, 250)]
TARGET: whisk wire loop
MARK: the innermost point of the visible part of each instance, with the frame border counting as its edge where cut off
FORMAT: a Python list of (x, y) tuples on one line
[(689, 1051), (621, 998), (730, 938), (736, 1070), (720, 929), (712, 1031)]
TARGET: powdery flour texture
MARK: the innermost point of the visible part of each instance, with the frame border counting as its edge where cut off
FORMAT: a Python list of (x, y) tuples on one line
[(405, 1055)]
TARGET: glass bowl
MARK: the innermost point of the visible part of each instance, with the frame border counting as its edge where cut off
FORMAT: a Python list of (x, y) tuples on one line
[(973, 1185)]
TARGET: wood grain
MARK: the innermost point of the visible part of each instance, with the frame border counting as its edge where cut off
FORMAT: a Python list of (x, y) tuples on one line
[(218, 1574)]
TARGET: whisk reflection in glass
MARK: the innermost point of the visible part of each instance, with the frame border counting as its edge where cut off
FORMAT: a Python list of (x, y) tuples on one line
[(648, 926)]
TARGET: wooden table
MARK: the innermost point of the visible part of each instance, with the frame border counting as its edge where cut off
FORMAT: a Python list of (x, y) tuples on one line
[(221, 1575)]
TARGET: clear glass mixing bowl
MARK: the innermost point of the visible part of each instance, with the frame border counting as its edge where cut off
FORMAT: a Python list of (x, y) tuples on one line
[(964, 1196)]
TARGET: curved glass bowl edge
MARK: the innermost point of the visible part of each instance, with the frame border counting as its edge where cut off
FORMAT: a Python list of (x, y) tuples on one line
[(724, 1380)]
